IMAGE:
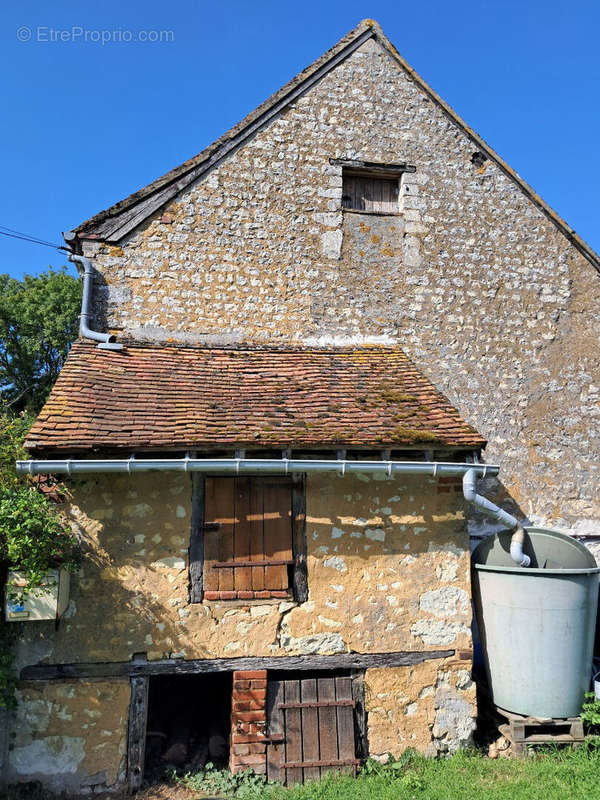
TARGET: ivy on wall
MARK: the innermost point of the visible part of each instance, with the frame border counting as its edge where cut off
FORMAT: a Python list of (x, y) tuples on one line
[(34, 536)]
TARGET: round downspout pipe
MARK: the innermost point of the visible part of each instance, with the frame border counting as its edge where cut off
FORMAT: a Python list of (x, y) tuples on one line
[(485, 505), (106, 340)]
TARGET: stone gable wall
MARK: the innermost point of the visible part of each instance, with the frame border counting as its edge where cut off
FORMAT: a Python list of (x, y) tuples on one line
[(480, 288)]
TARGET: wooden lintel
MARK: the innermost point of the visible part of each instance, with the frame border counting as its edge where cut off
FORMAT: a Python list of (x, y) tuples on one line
[(118, 669), (372, 167)]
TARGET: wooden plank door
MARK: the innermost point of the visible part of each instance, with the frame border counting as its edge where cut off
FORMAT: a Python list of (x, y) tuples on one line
[(315, 719)]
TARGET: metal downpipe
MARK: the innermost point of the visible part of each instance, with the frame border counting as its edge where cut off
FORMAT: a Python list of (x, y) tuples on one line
[(485, 505), (85, 331)]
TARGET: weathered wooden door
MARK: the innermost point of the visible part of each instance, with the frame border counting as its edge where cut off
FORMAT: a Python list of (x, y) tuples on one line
[(310, 728)]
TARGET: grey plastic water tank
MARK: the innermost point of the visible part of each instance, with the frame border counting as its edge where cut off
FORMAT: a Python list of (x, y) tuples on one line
[(536, 623)]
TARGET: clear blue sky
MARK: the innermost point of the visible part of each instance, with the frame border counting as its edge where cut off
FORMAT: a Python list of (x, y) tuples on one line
[(85, 124)]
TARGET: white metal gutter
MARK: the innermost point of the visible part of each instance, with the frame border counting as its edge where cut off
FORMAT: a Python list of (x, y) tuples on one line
[(284, 466), (245, 466)]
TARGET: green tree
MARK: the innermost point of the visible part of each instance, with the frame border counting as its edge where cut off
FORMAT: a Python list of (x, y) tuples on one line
[(38, 322)]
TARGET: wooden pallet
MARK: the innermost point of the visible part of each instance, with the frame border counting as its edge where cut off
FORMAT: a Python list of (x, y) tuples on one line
[(525, 731)]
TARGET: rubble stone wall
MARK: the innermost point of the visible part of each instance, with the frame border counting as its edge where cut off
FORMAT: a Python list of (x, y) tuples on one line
[(70, 735), (388, 570)]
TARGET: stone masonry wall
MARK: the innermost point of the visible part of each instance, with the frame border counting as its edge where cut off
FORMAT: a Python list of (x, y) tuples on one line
[(70, 735), (388, 570), (480, 288)]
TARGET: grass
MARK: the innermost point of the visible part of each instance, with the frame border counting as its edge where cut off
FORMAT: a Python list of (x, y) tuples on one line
[(557, 774)]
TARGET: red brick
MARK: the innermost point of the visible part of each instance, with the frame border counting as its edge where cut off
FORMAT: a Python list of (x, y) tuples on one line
[(241, 749), (211, 595), (256, 695), (249, 675), (247, 705), (263, 595), (258, 768), (258, 728), (227, 595), (248, 760), (280, 593), (258, 684), (248, 716), (258, 748), (237, 685), (241, 738), (245, 595)]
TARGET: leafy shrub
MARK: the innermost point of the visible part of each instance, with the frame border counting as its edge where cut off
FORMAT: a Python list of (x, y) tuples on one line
[(590, 711), (33, 536), (222, 782)]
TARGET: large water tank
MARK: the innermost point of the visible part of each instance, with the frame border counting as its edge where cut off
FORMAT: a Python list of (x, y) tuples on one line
[(536, 623)]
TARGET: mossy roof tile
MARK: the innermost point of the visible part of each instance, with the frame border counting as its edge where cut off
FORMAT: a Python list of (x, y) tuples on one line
[(153, 397)]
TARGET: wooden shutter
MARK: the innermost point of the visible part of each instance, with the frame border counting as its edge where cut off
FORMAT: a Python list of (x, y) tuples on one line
[(370, 194), (248, 536), (310, 728)]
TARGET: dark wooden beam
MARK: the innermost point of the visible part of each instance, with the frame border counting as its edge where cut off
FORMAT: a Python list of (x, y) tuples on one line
[(136, 735), (196, 586), (119, 669), (300, 576), (372, 167)]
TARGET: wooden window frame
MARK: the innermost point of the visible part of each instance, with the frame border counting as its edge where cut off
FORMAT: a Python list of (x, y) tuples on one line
[(366, 175), (372, 169), (299, 582)]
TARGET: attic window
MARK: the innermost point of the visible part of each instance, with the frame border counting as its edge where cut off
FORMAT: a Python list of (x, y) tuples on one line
[(370, 193)]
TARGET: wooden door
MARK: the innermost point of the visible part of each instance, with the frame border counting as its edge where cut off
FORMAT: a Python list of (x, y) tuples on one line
[(310, 728)]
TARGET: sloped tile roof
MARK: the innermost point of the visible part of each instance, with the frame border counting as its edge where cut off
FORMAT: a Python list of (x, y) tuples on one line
[(182, 397)]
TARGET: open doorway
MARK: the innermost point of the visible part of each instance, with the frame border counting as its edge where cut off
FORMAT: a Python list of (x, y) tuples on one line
[(189, 721)]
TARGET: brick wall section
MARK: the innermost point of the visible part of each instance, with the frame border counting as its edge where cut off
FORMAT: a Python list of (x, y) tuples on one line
[(448, 484), (249, 721), (277, 594)]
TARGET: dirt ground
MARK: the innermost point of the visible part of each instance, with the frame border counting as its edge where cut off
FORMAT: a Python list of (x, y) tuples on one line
[(162, 791), (165, 791)]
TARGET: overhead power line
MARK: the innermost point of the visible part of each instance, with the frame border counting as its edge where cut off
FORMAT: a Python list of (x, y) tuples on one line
[(13, 234)]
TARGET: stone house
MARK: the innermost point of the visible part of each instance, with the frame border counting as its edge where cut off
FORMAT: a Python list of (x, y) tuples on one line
[(314, 328)]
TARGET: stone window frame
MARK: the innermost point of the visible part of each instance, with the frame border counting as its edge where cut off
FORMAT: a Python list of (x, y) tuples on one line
[(372, 169)]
